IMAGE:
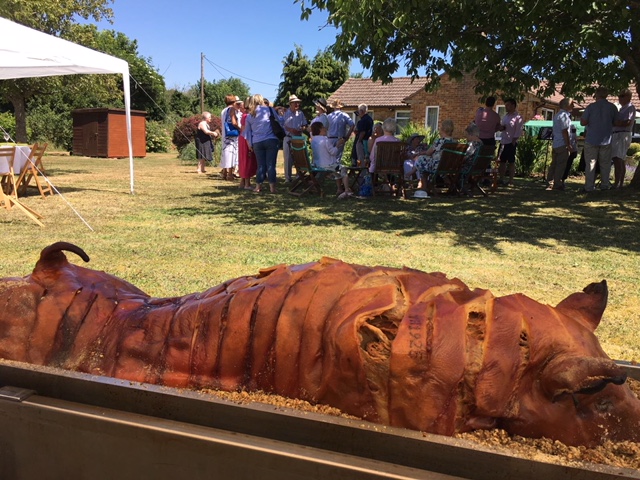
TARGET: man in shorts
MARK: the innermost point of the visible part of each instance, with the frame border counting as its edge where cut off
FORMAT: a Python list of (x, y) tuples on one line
[(621, 137)]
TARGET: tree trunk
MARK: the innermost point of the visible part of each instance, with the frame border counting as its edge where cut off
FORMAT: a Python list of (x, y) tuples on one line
[(20, 109)]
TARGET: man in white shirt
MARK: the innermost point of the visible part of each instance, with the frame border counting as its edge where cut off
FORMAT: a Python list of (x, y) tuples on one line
[(621, 137), (561, 145)]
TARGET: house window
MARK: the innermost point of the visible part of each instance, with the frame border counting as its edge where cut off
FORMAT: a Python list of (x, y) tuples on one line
[(431, 118), (403, 117), (547, 113)]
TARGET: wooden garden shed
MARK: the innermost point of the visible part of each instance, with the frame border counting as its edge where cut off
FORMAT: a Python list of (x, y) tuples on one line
[(102, 132)]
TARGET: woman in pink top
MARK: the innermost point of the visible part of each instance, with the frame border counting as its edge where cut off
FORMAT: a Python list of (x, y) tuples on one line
[(488, 122), (389, 130)]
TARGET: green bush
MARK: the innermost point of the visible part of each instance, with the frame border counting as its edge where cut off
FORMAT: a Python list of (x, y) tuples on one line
[(188, 153), (634, 149), (346, 153), (530, 152), (45, 124), (158, 140), (8, 123), (430, 136)]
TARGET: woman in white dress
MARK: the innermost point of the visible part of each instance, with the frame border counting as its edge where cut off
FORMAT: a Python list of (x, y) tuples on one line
[(229, 156)]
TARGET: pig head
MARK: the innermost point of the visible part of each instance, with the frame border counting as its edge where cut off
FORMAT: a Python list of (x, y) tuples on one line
[(394, 346)]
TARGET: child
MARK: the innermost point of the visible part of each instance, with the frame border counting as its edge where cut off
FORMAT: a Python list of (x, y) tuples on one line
[(324, 156)]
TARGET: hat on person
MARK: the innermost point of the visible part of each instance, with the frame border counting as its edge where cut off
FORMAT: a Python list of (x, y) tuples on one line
[(293, 98), (414, 135), (237, 100), (320, 102), (336, 103)]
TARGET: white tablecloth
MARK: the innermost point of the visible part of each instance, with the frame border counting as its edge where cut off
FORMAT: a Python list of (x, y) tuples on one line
[(21, 159)]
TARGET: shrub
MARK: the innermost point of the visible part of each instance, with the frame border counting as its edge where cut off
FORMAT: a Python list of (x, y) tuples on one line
[(530, 150), (44, 124), (185, 130), (158, 140), (188, 153), (346, 153), (634, 149), (430, 136), (8, 123)]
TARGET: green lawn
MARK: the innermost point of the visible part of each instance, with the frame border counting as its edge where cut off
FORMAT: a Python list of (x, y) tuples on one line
[(183, 232)]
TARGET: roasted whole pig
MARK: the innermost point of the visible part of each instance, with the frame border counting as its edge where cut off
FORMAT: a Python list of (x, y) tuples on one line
[(395, 346)]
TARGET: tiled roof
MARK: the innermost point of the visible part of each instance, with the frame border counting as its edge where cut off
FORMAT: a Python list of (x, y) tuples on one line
[(635, 100), (374, 94)]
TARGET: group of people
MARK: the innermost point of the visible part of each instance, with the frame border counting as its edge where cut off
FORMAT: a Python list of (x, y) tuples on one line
[(510, 128), (250, 145), (607, 138)]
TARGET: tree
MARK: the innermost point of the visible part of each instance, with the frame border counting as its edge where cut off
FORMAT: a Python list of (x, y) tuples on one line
[(214, 93), (512, 46), (53, 17), (146, 84), (310, 79)]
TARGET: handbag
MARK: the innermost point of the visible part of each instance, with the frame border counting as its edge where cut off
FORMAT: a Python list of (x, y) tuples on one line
[(230, 130), (278, 131)]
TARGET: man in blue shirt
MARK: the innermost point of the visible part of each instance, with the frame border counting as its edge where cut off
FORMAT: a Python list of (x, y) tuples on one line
[(340, 125), (598, 118)]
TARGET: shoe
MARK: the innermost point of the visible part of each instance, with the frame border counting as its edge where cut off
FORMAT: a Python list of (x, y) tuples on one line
[(344, 195)]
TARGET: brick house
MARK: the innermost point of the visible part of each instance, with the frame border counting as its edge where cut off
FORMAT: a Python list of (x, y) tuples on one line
[(407, 101)]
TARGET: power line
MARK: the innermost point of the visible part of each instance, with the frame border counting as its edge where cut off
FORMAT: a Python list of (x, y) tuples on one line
[(238, 75)]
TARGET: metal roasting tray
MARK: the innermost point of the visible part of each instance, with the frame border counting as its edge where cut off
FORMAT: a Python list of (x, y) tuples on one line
[(60, 424)]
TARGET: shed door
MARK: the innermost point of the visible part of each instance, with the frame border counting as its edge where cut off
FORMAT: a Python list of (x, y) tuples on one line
[(90, 139)]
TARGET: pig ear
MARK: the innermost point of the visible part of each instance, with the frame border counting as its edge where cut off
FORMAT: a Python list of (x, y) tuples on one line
[(579, 375), (587, 306)]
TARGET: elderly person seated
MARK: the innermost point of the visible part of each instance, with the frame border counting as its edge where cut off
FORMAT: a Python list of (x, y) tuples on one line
[(389, 131), (325, 156), (415, 147), (427, 164), (474, 142)]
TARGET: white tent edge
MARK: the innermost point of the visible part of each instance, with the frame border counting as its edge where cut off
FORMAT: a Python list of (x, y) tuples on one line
[(25, 52)]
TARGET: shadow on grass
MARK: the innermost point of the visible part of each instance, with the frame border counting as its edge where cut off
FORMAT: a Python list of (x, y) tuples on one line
[(525, 213)]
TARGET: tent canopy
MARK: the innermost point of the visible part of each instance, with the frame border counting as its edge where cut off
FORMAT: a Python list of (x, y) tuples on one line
[(533, 127), (25, 52)]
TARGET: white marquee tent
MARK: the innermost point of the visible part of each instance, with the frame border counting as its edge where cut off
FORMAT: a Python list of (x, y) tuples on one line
[(25, 52)]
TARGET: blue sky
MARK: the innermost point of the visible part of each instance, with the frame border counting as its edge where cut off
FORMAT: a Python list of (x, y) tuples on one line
[(249, 44)]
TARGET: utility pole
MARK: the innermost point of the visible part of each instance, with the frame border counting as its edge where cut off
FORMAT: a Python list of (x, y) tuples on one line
[(201, 82)]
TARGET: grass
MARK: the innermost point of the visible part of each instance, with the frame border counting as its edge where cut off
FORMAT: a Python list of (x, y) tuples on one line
[(183, 232)]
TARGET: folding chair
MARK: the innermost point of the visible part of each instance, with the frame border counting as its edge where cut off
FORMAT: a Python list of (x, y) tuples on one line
[(8, 189), (389, 174), (8, 181), (482, 170), (308, 176), (450, 167), (33, 170)]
